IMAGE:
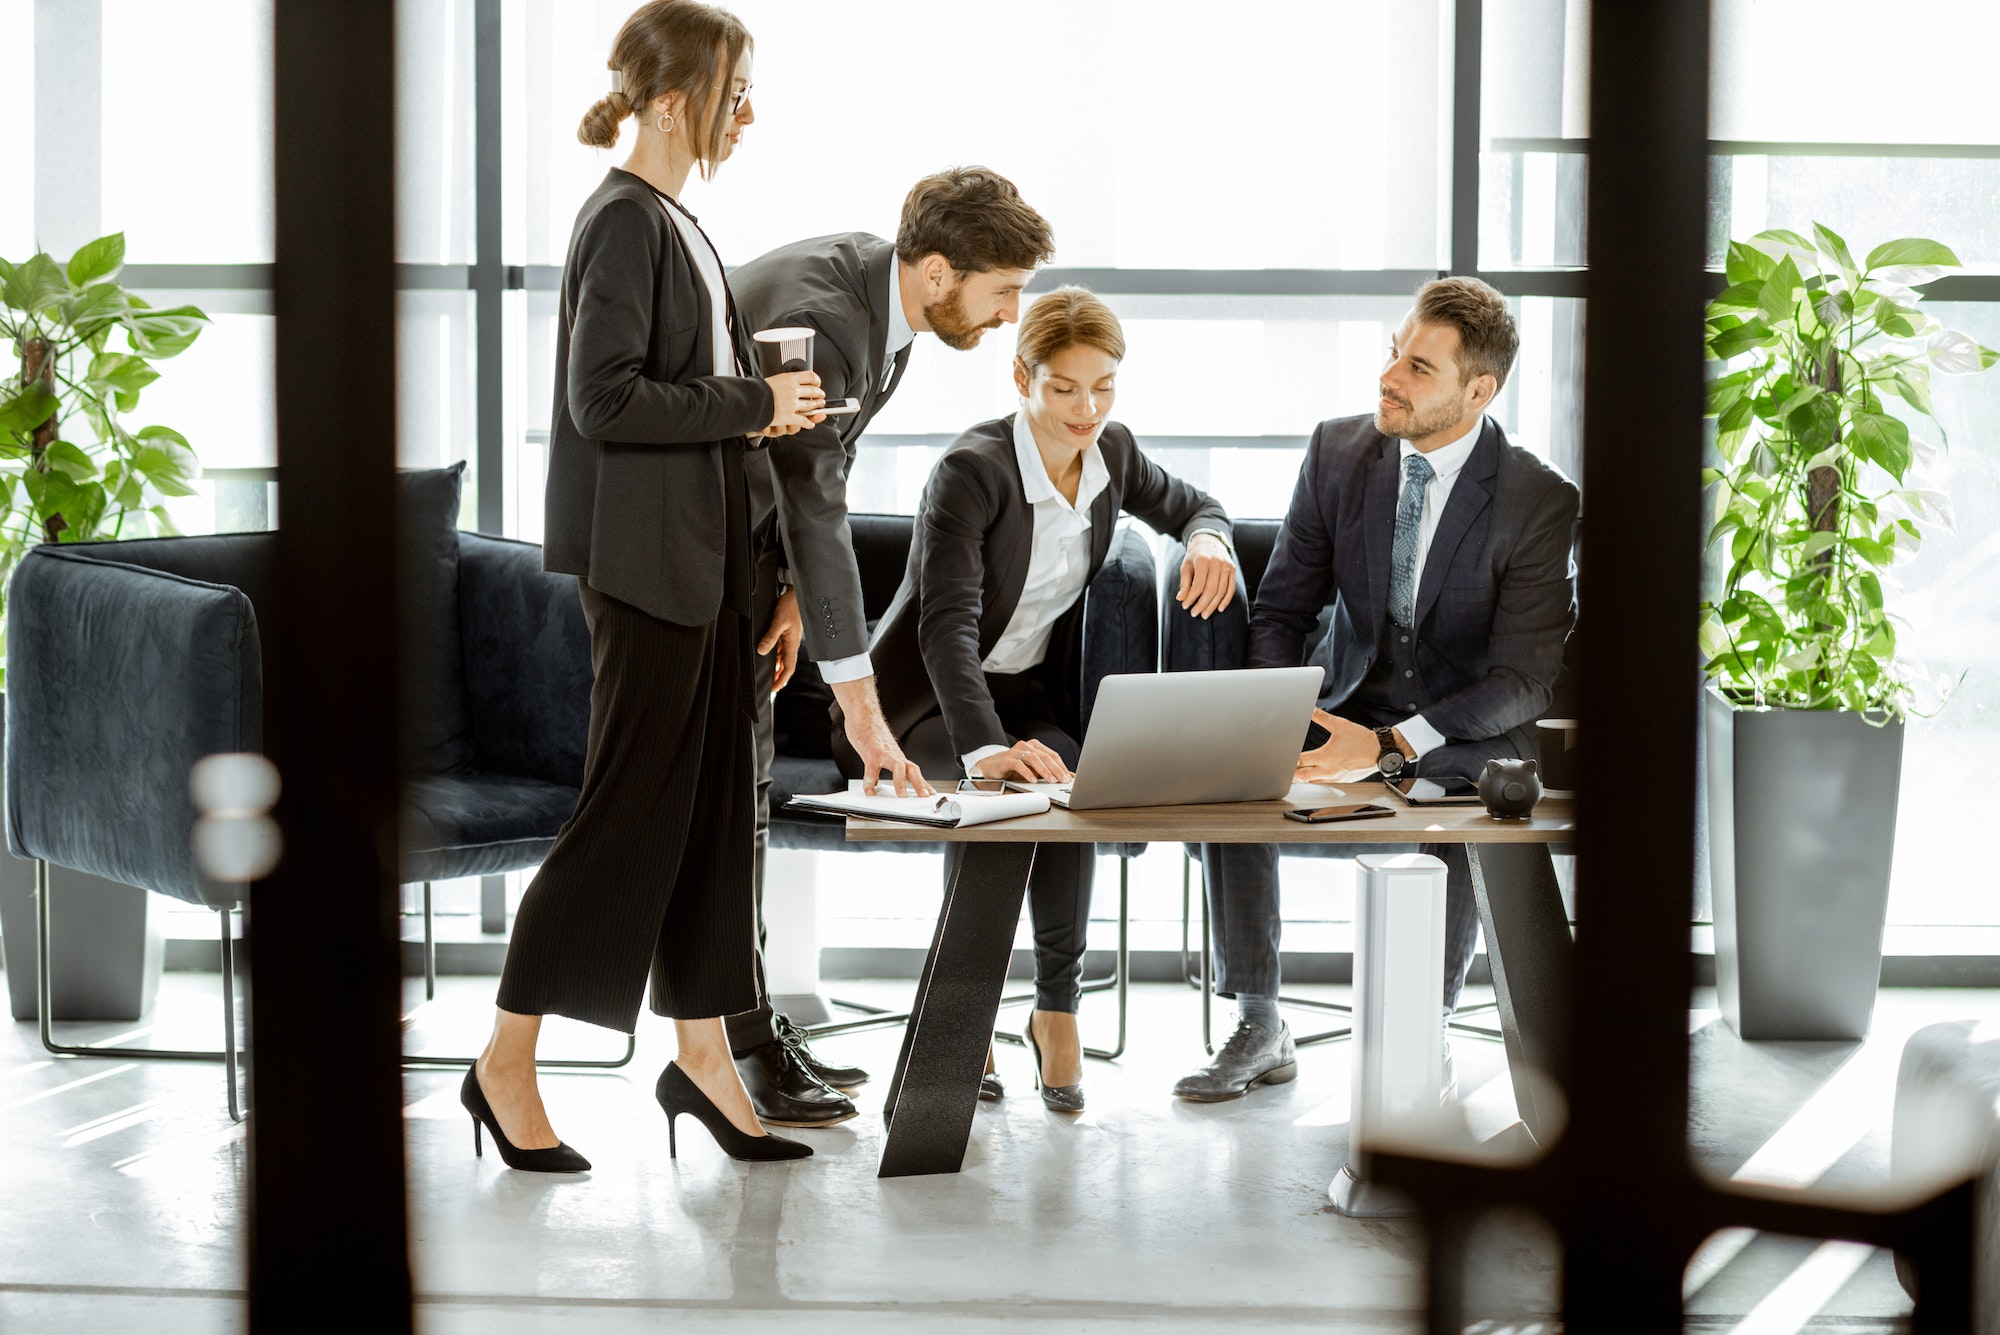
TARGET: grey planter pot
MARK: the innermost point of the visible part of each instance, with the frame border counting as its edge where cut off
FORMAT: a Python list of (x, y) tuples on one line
[(1801, 833), (108, 941)]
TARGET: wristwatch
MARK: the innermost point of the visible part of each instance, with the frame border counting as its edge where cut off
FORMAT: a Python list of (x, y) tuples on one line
[(1392, 760)]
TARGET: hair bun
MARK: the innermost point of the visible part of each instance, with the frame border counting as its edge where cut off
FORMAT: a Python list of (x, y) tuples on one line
[(600, 124)]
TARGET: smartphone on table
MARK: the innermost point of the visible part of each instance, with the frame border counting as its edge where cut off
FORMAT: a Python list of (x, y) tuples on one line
[(1350, 811), (1446, 791)]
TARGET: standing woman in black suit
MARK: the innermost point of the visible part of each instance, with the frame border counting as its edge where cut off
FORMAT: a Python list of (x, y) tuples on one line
[(979, 657), (646, 504)]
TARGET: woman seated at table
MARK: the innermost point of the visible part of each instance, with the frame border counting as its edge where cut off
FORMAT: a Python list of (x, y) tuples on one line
[(978, 658)]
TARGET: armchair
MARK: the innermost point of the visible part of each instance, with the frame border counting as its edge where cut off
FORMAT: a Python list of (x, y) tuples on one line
[(129, 661)]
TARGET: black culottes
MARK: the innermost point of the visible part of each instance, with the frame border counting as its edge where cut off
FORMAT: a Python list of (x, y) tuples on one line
[(652, 873)]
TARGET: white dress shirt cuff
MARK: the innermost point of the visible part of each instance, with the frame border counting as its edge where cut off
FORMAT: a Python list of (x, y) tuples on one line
[(1220, 536), (853, 668), (971, 758), (1420, 735)]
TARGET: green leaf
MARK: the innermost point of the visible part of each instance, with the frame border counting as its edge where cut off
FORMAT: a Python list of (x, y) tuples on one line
[(36, 286), (29, 407), (1779, 301), (1741, 338), (1914, 386), (1883, 440), (99, 306), (70, 461), (97, 260), (1893, 317), (1816, 422), (1911, 250), (167, 468), (1736, 299), (1829, 243), (1745, 264), (1955, 353), (1726, 390), (121, 371)]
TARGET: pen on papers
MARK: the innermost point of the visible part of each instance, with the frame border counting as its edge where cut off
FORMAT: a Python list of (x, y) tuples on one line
[(939, 804)]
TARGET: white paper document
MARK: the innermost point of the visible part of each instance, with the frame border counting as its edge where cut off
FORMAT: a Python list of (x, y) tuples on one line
[(947, 810)]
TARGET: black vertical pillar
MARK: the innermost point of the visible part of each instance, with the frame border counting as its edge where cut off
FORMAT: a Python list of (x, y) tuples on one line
[(488, 274), (1638, 663), (328, 1246), (1467, 44)]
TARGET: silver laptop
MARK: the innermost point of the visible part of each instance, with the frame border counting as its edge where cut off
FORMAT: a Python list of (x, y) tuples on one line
[(1161, 739)]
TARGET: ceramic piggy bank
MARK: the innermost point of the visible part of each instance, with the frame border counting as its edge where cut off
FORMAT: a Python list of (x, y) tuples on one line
[(1510, 789)]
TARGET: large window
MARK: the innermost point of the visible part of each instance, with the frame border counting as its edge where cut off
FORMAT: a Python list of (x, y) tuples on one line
[(1255, 189)]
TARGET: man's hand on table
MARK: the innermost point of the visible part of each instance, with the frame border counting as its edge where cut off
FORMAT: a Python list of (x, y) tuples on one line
[(1349, 747), (868, 733)]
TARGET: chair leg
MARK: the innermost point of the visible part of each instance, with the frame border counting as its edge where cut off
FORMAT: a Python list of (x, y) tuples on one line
[(1121, 971), (45, 995), (1118, 980), (230, 1059), (1188, 973), (430, 948)]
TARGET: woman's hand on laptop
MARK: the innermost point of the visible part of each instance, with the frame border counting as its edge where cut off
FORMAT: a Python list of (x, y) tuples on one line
[(1208, 577), (1349, 747), (1026, 761)]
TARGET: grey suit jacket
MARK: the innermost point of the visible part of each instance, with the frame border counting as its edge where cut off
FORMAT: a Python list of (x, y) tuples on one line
[(646, 444), (969, 553), (839, 286), (1498, 593)]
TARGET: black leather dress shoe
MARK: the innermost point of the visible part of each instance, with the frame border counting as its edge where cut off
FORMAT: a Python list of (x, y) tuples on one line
[(840, 1077), (785, 1092)]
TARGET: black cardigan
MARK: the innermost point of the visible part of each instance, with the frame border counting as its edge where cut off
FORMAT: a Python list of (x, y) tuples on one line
[(646, 443), (969, 555)]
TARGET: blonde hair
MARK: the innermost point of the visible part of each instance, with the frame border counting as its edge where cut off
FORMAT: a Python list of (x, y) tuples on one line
[(1064, 318), (672, 46)]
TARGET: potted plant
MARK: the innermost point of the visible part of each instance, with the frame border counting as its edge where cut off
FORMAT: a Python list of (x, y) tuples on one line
[(71, 470), (1826, 365)]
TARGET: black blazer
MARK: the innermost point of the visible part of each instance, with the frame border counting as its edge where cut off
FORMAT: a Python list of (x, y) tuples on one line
[(644, 438), (969, 556), (840, 286), (1498, 594)]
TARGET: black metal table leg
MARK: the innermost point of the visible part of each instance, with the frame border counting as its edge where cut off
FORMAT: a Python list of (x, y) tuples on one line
[(935, 1090), (1529, 947)]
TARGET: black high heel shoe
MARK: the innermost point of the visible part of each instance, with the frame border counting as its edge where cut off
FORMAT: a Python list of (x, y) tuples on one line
[(561, 1159), (678, 1094), (1056, 1098)]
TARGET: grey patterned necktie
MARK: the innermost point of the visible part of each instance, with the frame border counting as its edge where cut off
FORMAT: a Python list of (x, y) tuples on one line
[(1417, 474)]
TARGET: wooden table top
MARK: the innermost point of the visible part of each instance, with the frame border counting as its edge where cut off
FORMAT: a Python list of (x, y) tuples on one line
[(1250, 823)]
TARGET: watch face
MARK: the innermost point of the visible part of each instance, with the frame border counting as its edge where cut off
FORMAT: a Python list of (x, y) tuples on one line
[(1391, 763)]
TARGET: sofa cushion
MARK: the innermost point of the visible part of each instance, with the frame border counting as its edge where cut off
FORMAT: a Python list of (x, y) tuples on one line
[(478, 824), (437, 728)]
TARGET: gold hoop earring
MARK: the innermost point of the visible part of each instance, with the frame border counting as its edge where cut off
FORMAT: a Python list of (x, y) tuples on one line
[(666, 122)]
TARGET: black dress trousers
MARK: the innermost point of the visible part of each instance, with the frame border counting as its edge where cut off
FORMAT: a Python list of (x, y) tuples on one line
[(652, 873)]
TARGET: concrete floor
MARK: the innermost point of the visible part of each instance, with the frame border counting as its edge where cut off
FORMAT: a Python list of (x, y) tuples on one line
[(122, 1183)]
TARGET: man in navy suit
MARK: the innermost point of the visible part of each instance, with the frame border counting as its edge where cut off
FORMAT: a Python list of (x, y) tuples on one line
[(1446, 553)]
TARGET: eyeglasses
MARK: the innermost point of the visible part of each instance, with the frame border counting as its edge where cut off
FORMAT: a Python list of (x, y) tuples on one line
[(742, 96)]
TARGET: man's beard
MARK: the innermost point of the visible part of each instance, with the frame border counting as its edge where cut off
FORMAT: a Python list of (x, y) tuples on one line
[(1408, 424), (953, 327)]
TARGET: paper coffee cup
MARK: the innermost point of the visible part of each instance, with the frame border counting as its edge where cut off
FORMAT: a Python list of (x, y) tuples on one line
[(782, 350)]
